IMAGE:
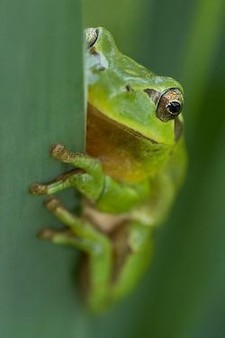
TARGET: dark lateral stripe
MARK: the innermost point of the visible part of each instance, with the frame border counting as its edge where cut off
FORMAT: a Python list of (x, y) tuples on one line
[(178, 128), (153, 94)]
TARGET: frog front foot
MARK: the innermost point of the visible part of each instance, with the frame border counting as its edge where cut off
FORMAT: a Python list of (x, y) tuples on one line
[(88, 177)]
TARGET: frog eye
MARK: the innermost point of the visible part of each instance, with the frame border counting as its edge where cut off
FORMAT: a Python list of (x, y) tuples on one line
[(170, 105), (91, 36)]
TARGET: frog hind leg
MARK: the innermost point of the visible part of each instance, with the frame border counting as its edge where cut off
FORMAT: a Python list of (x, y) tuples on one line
[(140, 242), (83, 236)]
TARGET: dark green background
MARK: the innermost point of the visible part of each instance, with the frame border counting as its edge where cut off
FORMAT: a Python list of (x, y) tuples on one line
[(41, 98)]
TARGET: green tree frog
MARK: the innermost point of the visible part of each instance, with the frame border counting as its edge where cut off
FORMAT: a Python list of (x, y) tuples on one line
[(128, 177)]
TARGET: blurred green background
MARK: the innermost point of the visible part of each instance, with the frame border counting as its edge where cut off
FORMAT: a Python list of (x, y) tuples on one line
[(183, 294)]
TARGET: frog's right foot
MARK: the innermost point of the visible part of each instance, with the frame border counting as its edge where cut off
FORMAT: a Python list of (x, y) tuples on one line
[(38, 189)]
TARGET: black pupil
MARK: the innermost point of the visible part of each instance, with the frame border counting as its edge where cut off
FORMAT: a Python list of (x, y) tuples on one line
[(174, 107)]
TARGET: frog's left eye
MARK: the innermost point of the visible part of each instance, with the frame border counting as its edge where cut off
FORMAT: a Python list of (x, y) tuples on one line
[(91, 36), (170, 105)]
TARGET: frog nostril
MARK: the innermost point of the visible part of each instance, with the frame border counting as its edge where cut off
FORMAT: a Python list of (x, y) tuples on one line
[(128, 88)]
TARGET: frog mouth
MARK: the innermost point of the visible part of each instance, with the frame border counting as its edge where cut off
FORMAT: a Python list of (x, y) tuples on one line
[(178, 126)]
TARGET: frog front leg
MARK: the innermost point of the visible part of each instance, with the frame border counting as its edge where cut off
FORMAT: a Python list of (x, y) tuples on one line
[(89, 179)]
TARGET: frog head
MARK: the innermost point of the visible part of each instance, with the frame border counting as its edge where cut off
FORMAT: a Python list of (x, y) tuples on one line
[(134, 98)]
